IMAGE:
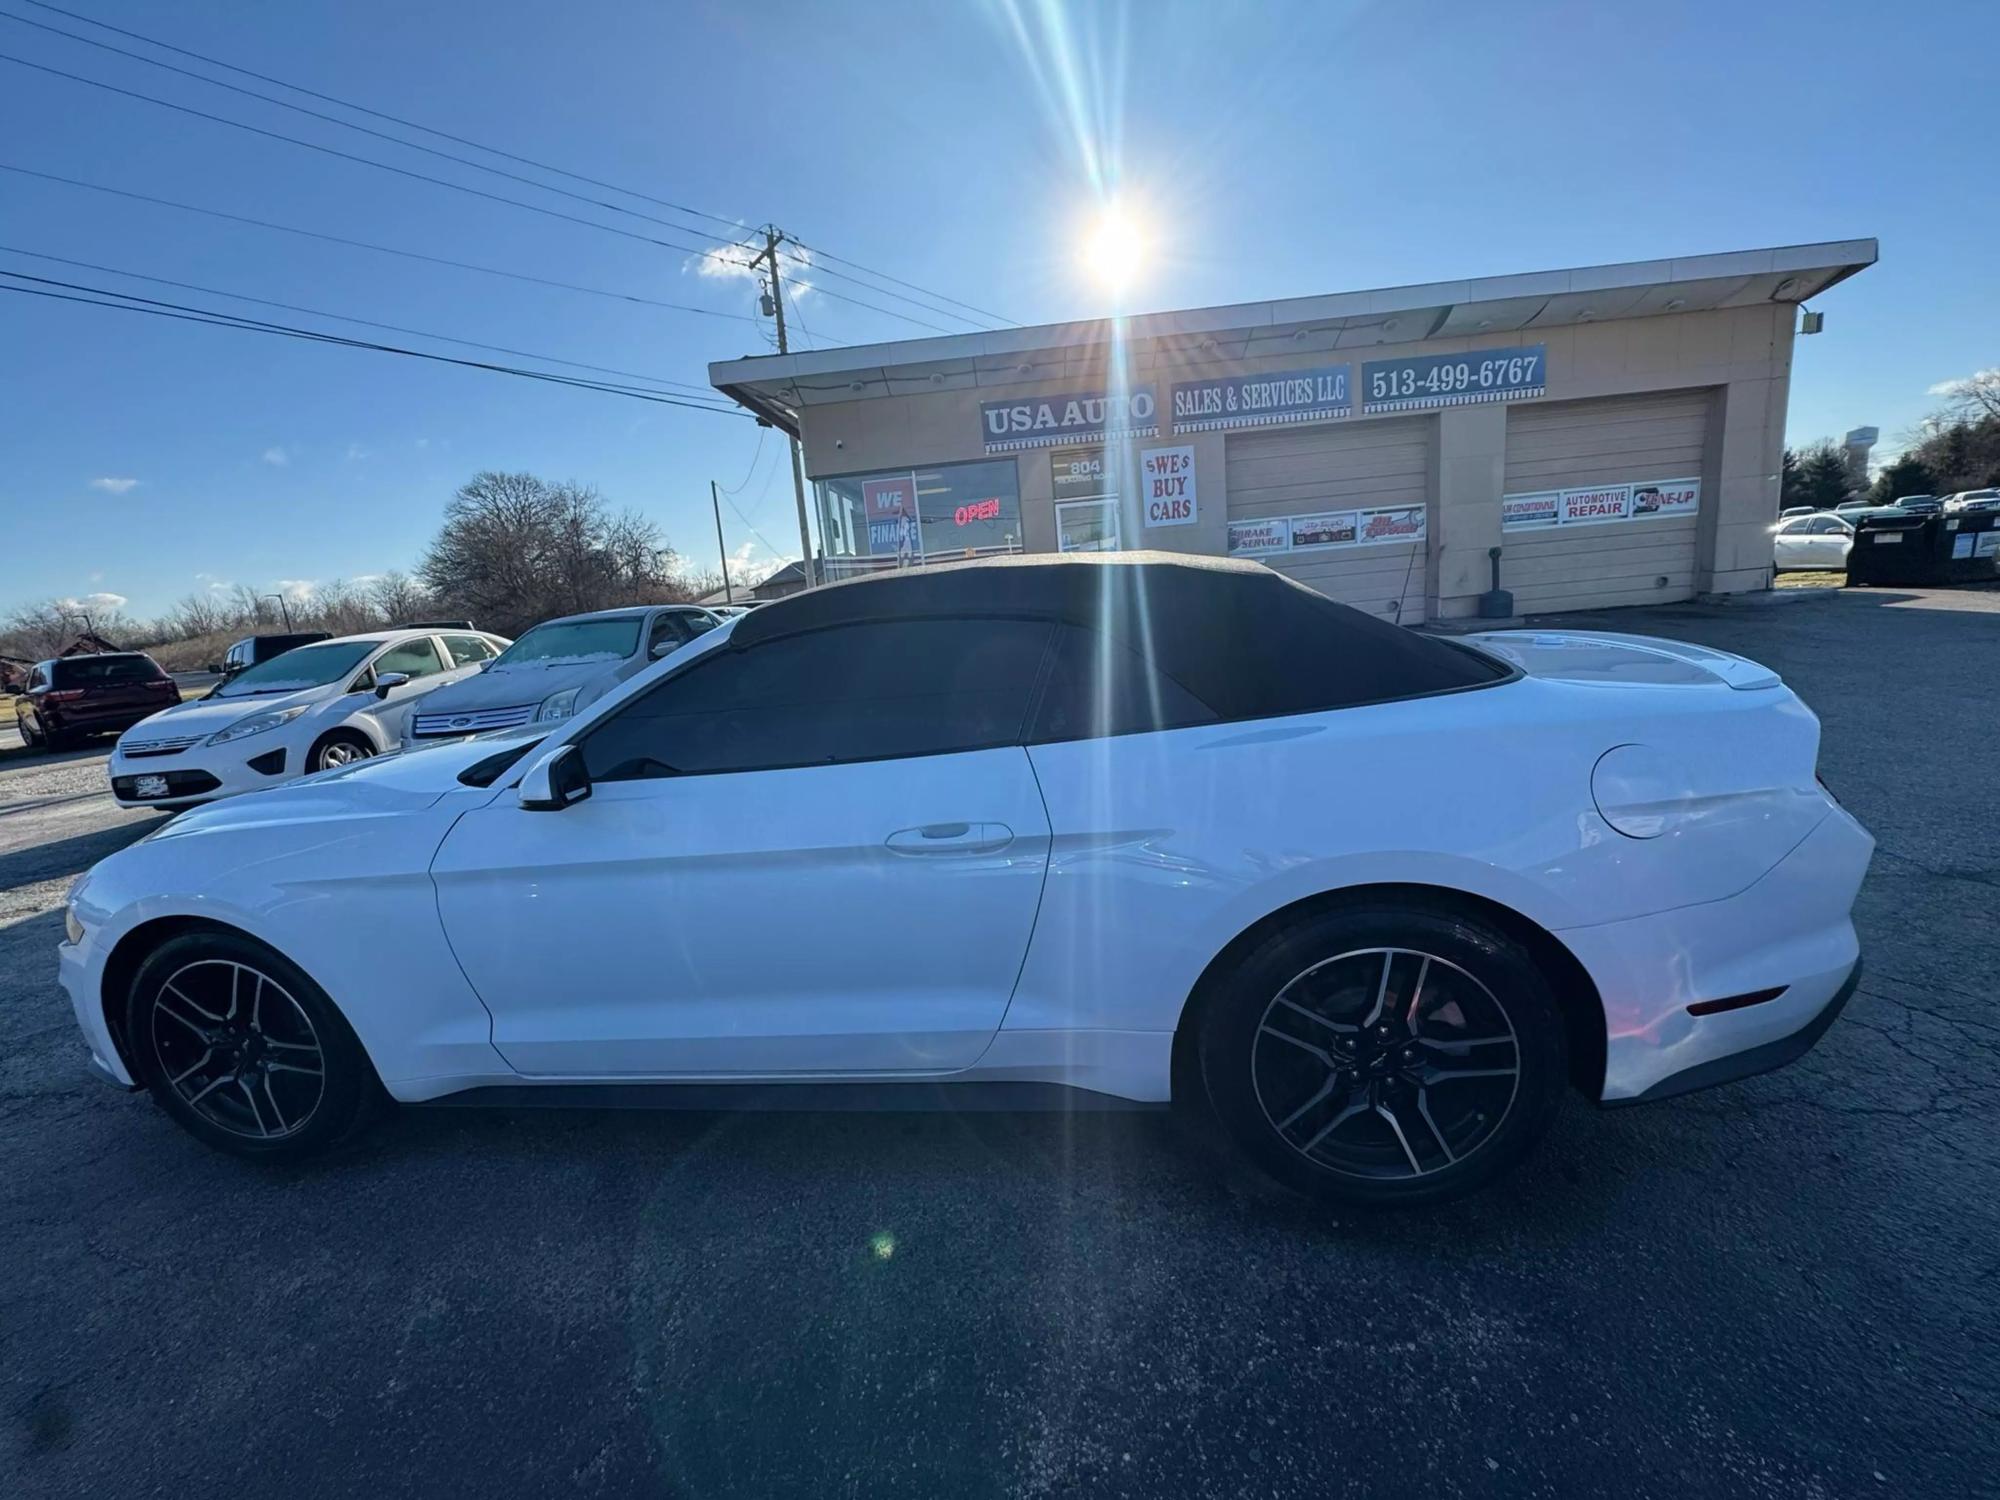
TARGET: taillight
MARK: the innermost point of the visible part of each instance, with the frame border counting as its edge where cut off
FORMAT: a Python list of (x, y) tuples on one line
[(63, 695)]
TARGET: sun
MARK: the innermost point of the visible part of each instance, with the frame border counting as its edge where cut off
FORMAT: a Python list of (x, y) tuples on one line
[(1115, 249)]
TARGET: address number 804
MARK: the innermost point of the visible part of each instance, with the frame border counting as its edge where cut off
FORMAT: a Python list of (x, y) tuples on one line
[(1459, 375)]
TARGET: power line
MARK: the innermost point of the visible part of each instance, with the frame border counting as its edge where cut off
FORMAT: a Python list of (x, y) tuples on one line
[(885, 276), (316, 312), (366, 161), (755, 458), (444, 135), (380, 135), (527, 161), (212, 319), (843, 297), (335, 239)]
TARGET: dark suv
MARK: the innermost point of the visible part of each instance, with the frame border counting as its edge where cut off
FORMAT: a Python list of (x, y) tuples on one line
[(74, 696), (254, 650)]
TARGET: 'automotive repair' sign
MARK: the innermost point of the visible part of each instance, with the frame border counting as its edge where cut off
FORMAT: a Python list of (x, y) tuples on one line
[(1045, 421)]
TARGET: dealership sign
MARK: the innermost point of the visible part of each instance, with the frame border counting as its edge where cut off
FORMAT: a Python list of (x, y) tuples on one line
[(1168, 474), (1454, 379), (1648, 500), (1316, 395), (1334, 528), (1046, 421)]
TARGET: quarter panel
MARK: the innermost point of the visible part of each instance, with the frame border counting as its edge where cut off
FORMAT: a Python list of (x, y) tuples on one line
[(1167, 846)]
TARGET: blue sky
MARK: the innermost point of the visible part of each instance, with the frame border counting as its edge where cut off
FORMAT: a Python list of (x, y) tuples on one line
[(1277, 150)]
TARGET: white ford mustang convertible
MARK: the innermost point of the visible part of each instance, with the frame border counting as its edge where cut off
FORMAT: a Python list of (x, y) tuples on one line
[(1111, 828)]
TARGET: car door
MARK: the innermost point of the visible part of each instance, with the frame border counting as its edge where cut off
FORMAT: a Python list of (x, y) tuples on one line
[(1831, 538), (422, 661), (1791, 547), (819, 855)]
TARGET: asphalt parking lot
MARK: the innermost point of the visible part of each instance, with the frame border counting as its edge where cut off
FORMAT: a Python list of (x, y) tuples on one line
[(1783, 1287)]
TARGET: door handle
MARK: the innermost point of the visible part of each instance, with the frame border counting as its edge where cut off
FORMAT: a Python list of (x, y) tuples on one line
[(951, 838)]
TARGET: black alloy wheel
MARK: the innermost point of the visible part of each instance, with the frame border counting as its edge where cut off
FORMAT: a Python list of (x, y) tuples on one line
[(1385, 1055), (243, 1049)]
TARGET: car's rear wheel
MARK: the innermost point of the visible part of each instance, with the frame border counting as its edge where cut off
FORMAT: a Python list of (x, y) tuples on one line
[(1384, 1054), (243, 1049), (31, 737), (342, 747)]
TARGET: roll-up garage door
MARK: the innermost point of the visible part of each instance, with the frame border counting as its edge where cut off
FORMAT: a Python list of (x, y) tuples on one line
[(1363, 487), (1620, 440)]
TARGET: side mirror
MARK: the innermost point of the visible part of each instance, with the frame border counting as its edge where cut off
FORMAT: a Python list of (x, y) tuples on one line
[(387, 681), (216, 667), (555, 783)]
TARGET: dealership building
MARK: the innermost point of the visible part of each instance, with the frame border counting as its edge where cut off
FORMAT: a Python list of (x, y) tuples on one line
[(1614, 431)]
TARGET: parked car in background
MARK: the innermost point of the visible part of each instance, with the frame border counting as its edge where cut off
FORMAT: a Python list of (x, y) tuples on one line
[(1817, 540), (1853, 507), (1923, 505), (1057, 821), (1798, 510), (253, 649), (1972, 500), (557, 669), (70, 698), (313, 708)]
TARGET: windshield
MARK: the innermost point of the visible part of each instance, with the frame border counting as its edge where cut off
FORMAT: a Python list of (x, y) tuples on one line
[(573, 640), (307, 667)]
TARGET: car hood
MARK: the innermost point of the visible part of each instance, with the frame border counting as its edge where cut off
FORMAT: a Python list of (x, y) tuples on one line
[(505, 687), (205, 716), (1589, 656), (397, 783)]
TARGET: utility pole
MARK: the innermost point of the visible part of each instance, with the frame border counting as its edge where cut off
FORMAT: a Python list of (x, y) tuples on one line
[(721, 547), (769, 257), (285, 608)]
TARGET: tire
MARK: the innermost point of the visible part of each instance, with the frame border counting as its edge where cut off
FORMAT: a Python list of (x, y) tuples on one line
[(339, 748), (1305, 1081), (31, 737), (226, 1033)]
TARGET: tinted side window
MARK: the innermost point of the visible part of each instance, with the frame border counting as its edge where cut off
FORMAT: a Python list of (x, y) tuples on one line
[(849, 693), (668, 630), (1099, 687), (416, 658), (467, 649)]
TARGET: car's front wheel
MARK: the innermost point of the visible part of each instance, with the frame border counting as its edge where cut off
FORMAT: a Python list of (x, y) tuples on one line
[(1384, 1054), (341, 748), (243, 1049)]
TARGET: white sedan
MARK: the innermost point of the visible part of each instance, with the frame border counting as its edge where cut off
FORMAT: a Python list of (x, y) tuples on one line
[(1116, 824), (1812, 541), (310, 709)]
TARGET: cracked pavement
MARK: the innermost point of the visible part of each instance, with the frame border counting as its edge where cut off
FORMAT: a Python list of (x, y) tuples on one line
[(1783, 1287)]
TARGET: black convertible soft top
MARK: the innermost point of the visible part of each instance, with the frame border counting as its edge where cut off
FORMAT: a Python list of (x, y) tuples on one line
[(1247, 641)]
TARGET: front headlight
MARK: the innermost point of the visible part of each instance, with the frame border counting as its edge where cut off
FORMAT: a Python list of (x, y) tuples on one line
[(257, 724), (72, 924), (558, 705)]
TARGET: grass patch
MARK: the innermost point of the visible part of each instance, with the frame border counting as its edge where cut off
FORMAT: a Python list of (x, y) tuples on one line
[(1824, 578)]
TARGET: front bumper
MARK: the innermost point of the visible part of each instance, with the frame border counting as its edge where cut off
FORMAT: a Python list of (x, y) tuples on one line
[(79, 969), (204, 773), (1790, 931)]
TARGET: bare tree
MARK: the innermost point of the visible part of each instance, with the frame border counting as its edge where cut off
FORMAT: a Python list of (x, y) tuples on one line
[(1972, 399), (399, 597), (515, 549)]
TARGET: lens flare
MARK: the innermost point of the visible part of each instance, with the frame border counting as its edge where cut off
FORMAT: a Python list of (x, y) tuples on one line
[(1115, 249)]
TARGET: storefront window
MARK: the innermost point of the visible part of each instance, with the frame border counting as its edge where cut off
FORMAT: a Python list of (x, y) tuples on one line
[(1087, 526), (908, 516)]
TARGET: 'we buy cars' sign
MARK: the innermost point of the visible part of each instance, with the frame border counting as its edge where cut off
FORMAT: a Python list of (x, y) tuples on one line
[(1168, 474)]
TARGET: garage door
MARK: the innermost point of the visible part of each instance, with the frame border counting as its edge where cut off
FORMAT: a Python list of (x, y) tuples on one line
[(1616, 441), (1366, 479)]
